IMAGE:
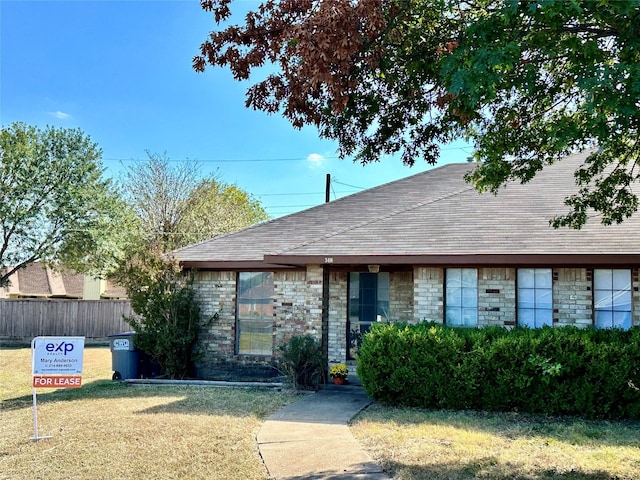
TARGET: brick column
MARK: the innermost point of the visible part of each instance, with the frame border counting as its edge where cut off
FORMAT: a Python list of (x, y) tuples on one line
[(428, 294)]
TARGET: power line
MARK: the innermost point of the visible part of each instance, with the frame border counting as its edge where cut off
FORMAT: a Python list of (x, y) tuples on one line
[(248, 160), (291, 206), (213, 160), (347, 185), (299, 193), (285, 194)]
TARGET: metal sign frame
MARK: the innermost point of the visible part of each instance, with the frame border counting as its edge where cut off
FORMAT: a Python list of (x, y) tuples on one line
[(58, 361)]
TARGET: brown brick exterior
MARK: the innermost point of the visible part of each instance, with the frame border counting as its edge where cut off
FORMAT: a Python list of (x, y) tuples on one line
[(414, 296), (572, 297), (428, 294)]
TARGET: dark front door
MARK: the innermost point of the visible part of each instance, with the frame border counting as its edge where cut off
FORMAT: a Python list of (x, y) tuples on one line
[(368, 303)]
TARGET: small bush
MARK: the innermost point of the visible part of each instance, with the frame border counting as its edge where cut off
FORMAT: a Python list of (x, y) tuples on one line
[(301, 361), (167, 320), (556, 371)]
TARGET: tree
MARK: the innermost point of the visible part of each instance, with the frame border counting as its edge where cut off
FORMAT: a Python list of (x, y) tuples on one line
[(158, 195), (214, 208), (167, 320), (176, 206), (526, 81), (55, 206)]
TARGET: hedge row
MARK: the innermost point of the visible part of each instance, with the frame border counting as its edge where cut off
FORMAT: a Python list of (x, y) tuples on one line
[(556, 371)]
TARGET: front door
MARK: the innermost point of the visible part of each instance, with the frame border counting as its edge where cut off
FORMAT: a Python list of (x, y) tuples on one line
[(368, 303)]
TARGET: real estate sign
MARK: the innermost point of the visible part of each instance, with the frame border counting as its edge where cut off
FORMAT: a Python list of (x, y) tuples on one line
[(57, 362)]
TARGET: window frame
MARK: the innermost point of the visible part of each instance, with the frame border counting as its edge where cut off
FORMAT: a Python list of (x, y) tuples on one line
[(261, 320), (615, 294), (535, 289), (463, 306)]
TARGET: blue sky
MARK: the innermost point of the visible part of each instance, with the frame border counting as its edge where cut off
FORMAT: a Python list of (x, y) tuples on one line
[(121, 71)]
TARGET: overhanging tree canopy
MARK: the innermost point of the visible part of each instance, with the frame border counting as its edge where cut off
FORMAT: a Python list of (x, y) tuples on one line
[(526, 81)]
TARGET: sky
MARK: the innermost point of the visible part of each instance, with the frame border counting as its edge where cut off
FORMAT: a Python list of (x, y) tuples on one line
[(120, 71)]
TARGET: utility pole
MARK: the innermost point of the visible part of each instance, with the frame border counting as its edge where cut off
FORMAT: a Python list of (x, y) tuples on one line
[(327, 188)]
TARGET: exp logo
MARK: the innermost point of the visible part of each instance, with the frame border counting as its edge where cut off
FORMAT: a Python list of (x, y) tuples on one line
[(62, 347)]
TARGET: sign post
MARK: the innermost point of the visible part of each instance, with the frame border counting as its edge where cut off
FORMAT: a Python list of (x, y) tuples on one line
[(56, 363)]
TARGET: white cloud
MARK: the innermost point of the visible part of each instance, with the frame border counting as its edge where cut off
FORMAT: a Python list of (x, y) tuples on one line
[(315, 160), (60, 115)]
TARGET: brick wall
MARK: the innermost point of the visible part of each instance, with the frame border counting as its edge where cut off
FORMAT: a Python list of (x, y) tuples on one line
[(337, 345), (497, 296), (428, 294), (294, 313), (401, 296), (572, 297), (297, 310), (414, 296), (216, 293), (313, 302)]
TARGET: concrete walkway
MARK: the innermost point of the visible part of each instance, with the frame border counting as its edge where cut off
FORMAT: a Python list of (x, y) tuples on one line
[(310, 439)]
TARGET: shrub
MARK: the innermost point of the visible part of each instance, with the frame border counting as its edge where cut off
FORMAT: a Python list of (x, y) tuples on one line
[(557, 371), (301, 361), (167, 316)]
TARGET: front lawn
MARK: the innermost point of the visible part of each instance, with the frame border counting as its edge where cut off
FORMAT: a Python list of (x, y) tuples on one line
[(106, 430), (418, 444)]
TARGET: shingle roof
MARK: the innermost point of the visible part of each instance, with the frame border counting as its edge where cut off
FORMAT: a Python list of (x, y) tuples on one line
[(36, 280), (433, 215), (114, 291)]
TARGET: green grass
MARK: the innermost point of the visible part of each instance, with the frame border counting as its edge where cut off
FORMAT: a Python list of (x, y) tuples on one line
[(106, 430), (423, 444)]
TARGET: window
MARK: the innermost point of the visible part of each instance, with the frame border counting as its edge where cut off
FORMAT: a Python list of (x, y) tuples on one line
[(612, 298), (461, 297), (254, 312), (535, 297)]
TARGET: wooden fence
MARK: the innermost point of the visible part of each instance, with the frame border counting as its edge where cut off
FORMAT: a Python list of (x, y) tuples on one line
[(23, 319)]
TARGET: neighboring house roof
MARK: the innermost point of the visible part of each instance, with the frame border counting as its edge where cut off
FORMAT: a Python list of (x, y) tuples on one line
[(36, 280), (430, 218), (114, 291)]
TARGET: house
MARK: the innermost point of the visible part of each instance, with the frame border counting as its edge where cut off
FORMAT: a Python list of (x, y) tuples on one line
[(37, 280), (427, 247)]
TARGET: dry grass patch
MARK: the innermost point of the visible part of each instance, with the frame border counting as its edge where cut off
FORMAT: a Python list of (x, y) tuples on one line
[(106, 430), (417, 444)]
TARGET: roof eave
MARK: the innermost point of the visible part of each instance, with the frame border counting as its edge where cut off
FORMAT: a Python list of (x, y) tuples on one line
[(234, 265), (557, 260)]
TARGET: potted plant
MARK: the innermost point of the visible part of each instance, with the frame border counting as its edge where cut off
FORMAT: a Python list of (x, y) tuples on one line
[(339, 373)]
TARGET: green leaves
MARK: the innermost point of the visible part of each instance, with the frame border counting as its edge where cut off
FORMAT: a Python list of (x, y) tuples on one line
[(526, 80), (576, 92), (301, 361), (555, 371), (167, 319), (174, 206), (54, 204)]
